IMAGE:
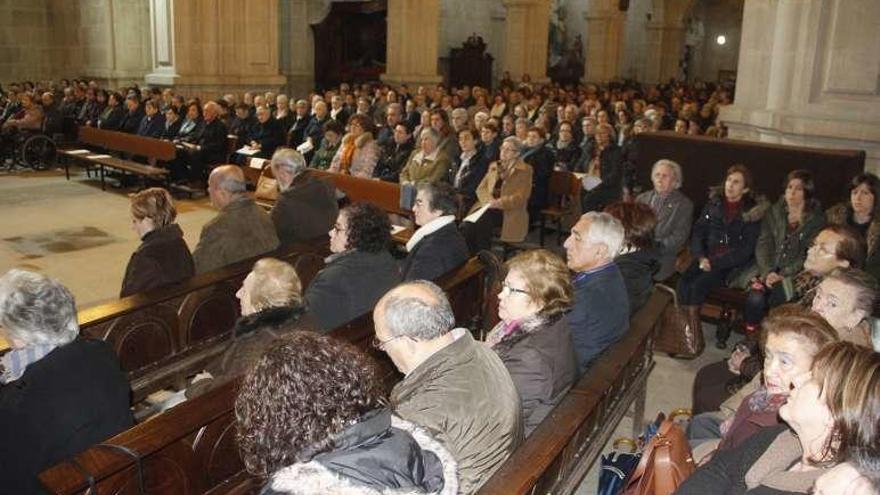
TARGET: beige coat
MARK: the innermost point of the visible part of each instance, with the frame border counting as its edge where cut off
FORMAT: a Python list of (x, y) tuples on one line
[(366, 154), (515, 192), (240, 230)]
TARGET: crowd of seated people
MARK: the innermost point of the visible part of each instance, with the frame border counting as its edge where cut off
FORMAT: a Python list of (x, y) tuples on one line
[(778, 416)]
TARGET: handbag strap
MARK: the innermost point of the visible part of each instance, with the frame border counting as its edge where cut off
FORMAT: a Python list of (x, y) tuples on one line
[(670, 290)]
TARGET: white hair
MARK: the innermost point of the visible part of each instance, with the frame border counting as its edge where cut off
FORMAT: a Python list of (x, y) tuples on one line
[(36, 309), (605, 229), (677, 176)]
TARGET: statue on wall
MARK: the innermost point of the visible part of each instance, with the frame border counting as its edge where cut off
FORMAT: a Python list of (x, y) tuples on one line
[(565, 61)]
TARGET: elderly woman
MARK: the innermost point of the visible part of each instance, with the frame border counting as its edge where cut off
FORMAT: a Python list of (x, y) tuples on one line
[(791, 337), (674, 211), (836, 247), (437, 246), (533, 337), (828, 409), (723, 239), (428, 163), (271, 306), (306, 206), (862, 212), (604, 166), (358, 153), (59, 395), (846, 299), (787, 231), (359, 271), (565, 150), (639, 258), (163, 257), (310, 417), (191, 128), (502, 200)]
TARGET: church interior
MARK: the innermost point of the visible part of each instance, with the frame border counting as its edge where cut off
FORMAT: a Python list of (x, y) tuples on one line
[(439, 246)]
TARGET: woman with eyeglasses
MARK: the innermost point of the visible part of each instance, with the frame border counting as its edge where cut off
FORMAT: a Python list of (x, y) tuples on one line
[(533, 338), (360, 270)]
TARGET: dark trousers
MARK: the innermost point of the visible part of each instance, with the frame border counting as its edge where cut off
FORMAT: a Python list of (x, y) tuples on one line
[(695, 284), (478, 235), (759, 302)]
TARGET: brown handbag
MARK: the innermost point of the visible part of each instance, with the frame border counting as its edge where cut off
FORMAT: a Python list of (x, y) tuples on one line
[(678, 332), (666, 462), (267, 189)]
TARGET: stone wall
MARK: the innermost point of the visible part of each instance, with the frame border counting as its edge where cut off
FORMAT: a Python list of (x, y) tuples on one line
[(720, 17), (24, 40)]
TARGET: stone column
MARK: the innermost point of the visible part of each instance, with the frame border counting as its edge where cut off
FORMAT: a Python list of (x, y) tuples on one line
[(807, 77), (604, 43), (413, 36), (526, 32), (297, 47), (665, 45), (207, 47)]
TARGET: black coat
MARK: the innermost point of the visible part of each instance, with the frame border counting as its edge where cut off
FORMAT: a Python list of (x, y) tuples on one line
[(306, 210), (170, 131), (132, 121), (540, 358), (269, 136), (242, 129), (113, 120), (731, 244), (315, 129), (611, 167), (349, 286), (190, 134), (213, 142), (74, 397), (471, 177), (392, 161), (566, 157), (296, 132), (162, 259), (436, 254), (152, 126), (638, 269), (542, 161)]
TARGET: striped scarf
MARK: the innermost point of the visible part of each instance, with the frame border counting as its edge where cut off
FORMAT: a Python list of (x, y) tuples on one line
[(15, 362)]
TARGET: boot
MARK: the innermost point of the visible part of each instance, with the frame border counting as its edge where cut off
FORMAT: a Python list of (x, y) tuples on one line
[(696, 343)]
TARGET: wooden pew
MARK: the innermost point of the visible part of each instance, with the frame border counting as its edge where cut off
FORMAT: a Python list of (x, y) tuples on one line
[(558, 454), (190, 449), (106, 142), (164, 335)]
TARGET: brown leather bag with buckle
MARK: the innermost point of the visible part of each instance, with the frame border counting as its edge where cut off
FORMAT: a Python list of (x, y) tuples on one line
[(666, 462), (679, 332)]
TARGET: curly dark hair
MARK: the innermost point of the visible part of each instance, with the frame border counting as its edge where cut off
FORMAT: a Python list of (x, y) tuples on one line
[(304, 390), (369, 228)]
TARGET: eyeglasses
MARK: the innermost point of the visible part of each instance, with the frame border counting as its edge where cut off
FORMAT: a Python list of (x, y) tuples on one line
[(337, 228), (380, 344), (513, 290)]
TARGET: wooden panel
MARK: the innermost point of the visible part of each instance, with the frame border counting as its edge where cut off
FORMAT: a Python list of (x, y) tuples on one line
[(127, 143)]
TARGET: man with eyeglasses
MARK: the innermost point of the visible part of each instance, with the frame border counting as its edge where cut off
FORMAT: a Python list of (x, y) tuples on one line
[(600, 315), (454, 386)]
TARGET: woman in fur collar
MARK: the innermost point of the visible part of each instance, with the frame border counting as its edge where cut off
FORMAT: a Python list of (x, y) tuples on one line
[(862, 212), (723, 239), (311, 418), (358, 152), (533, 337)]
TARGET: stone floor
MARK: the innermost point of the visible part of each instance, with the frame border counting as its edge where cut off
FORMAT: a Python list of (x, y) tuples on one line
[(81, 235)]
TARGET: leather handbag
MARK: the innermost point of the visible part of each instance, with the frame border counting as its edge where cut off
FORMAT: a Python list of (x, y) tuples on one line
[(679, 332), (666, 461), (267, 189)]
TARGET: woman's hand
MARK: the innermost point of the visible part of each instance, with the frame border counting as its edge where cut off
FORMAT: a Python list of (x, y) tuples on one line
[(772, 279), (495, 204), (705, 264), (735, 361)]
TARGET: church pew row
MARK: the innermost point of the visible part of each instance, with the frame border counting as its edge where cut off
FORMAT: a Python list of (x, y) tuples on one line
[(190, 449), (164, 335)]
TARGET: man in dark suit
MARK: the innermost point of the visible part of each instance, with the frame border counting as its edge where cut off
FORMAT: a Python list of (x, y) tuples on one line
[(437, 246), (172, 123), (338, 112), (296, 132), (315, 130), (267, 135), (306, 207), (153, 123), (209, 148), (132, 120)]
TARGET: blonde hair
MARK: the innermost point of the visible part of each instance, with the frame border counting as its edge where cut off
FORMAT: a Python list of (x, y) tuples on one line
[(156, 204), (547, 278), (275, 284)]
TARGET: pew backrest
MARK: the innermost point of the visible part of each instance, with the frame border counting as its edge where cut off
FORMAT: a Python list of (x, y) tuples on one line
[(127, 143), (385, 195)]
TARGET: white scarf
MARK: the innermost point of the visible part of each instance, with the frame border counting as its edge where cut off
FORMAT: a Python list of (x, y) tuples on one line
[(427, 229)]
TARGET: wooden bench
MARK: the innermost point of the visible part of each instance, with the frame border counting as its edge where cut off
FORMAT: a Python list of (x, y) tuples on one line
[(190, 449), (105, 142), (164, 335)]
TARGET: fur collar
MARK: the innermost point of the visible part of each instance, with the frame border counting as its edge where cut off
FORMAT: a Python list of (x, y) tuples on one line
[(754, 205), (276, 317), (312, 478), (840, 213), (359, 142), (523, 329)]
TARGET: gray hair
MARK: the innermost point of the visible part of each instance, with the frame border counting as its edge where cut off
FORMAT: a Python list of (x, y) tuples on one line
[(288, 159), (419, 318), (431, 133), (457, 112), (231, 184), (36, 309), (605, 229), (677, 176), (516, 142)]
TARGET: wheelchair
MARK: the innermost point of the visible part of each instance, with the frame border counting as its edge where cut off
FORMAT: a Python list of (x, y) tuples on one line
[(32, 149)]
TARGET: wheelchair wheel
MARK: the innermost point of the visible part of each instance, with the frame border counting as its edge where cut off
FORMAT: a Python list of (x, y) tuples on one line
[(38, 152)]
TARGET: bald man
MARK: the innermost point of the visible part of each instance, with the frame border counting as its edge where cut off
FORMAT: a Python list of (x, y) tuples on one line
[(241, 229), (454, 386)]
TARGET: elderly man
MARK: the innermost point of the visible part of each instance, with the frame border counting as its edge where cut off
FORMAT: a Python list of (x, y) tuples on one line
[(454, 386), (394, 116), (209, 148), (241, 228), (306, 207), (296, 132), (600, 315), (267, 135), (675, 213), (437, 246), (59, 394)]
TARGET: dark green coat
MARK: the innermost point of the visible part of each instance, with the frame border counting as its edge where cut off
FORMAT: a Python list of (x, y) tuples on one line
[(786, 254)]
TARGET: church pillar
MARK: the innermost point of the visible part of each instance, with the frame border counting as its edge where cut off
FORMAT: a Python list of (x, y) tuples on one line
[(605, 28), (807, 77), (207, 47), (526, 33), (665, 45), (413, 36)]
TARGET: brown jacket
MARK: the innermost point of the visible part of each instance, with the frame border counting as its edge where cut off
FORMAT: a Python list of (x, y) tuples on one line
[(240, 230), (465, 397), (306, 210), (515, 192)]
